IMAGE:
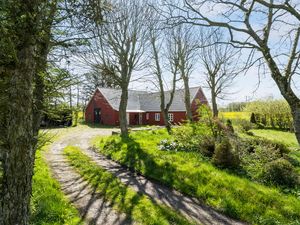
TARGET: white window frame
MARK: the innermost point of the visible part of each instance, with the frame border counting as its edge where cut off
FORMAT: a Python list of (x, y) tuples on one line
[(170, 117), (147, 116), (157, 116)]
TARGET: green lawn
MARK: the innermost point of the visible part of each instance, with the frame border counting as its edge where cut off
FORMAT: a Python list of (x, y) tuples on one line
[(287, 138), (137, 207), (192, 175), (48, 203)]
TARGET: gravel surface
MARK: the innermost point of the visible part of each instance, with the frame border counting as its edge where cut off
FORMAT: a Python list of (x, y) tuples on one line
[(93, 208)]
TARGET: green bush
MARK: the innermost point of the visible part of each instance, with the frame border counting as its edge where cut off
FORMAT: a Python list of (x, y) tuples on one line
[(224, 156), (229, 126), (190, 135), (281, 172), (254, 158), (207, 146), (185, 136), (167, 145), (245, 125), (252, 118)]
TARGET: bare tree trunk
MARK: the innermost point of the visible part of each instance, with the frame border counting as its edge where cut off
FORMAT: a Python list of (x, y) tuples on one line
[(296, 117), (122, 111), (19, 154), (166, 121), (214, 104), (187, 99)]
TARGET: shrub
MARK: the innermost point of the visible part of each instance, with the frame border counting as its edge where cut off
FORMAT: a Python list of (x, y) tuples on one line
[(207, 146), (189, 135), (255, 157), (224, 156), (266, 143), (166, 145), (252, 118), (281, 172), (245, 125), (229, 126)]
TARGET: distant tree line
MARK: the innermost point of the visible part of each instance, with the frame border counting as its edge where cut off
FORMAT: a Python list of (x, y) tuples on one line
[(270, 113), (234, 107)]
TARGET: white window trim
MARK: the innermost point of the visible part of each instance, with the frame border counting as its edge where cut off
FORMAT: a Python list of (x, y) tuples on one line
[(171, 117), (147, 116), (157, 116)]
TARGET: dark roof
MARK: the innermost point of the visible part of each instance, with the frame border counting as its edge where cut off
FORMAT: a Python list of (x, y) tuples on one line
[(141, 101)]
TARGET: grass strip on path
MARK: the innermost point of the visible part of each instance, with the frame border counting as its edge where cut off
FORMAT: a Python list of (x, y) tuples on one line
[(137, 207), (190, 174), (48, 203)]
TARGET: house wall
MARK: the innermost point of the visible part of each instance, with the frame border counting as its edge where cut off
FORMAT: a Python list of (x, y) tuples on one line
[(197, 101), (178, 117), (109, 116)]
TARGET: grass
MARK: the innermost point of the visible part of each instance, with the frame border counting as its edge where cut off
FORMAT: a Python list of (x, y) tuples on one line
[(189, 173), (48, 203), (137, 207), (287, 138)]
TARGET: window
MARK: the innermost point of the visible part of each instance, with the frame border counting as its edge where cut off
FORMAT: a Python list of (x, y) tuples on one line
[(157, 116), (171, 117), (147, 116)]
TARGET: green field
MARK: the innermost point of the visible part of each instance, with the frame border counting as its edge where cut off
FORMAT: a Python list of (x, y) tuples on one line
[(189, 173)]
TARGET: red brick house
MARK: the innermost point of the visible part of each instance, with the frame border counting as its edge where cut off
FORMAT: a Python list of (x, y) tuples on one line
[(143, 107)]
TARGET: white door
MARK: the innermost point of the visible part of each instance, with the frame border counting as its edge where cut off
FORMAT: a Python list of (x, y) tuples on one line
[(140, 118)]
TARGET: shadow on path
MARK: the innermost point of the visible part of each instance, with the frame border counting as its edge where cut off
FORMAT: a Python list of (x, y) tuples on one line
[(92, 206), (136, 158)]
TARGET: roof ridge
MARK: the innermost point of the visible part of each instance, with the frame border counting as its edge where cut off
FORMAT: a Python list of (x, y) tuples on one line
[(147, 92)]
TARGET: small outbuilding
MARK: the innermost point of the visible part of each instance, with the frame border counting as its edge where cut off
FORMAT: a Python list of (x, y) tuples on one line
[(143, 108)]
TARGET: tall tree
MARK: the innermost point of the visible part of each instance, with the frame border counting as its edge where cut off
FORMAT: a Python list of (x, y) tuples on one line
[(185, 39), (25, 28), (220, 63), (270, 29), (119, 45), (99, 76), (160, 37)]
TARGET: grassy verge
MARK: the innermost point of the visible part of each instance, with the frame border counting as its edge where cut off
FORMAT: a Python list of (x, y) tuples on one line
[(48, 203), (192, 175), (137, 207), (287, 138)]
